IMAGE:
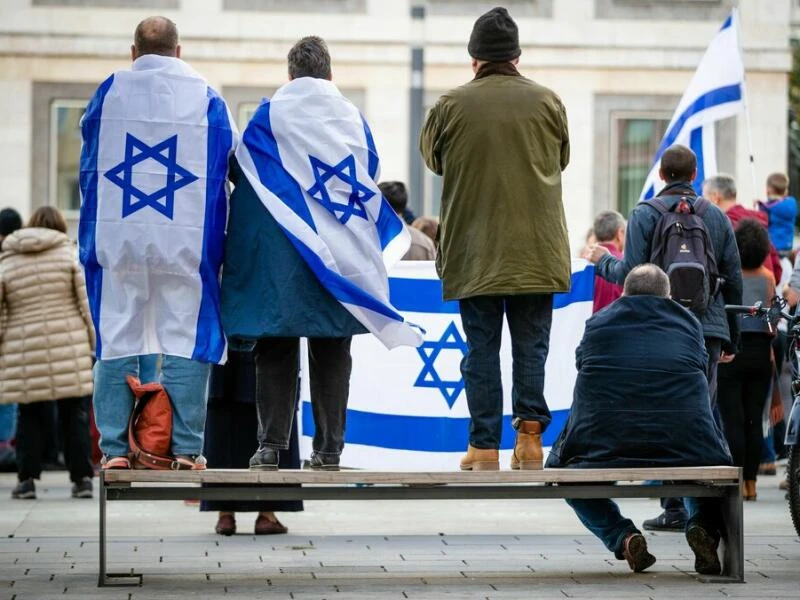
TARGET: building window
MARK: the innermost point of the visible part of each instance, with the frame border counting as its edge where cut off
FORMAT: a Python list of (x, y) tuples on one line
[(174, 4), (301, 6), (65, 154), (517, 8), (635, 141), (681, 10)]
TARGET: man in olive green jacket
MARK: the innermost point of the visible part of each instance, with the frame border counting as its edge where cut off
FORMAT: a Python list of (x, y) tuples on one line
[(501, 142)]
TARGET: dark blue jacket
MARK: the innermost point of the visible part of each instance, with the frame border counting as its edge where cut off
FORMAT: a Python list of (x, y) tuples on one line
[(268, 290), (641, 229), (641, 396)]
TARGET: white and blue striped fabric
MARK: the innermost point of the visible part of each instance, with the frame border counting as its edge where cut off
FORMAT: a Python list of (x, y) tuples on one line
[(153, 180), (310, 157), (407, 408), (715, 92)]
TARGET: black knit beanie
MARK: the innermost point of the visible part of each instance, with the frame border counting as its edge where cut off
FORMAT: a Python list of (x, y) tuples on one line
[(10, 221), (495, 37)]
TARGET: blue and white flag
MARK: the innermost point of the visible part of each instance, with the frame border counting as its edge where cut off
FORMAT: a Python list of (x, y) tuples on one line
[(153, 180), (310, 157), (715, 92), (407, 409)]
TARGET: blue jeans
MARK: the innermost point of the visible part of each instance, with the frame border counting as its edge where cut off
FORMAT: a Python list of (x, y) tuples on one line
[(529, 317), (601, 516), (186, 382), (8, 422)]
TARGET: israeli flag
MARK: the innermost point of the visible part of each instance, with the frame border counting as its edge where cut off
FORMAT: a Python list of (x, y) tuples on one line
[(715, 92), (153, 173), (311, 158), (407, 409)]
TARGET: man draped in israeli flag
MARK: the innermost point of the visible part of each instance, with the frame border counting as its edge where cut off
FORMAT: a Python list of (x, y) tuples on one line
[(715, 92), (154, 163), (309, 241)]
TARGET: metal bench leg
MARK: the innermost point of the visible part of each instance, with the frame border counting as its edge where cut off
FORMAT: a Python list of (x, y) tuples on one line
[(106, 579), (733, 535)]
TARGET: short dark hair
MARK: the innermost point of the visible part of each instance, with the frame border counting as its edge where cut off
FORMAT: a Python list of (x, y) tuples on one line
[(156, 35), (310, 58), (48, 217), (753, 242), (778, 183), (647, 280), (607, 224), (10, 221), (397, 195), (678, 163)]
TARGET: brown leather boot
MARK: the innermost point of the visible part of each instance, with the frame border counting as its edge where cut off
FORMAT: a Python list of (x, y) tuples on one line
[(528, 446), (749, 489), (480, 459)]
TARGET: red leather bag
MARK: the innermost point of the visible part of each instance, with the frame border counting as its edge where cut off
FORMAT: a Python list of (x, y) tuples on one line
[(150, 427)]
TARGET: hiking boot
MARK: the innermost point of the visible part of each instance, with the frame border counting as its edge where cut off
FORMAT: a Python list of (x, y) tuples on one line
[(226, 525), (82, 488), (634, 549), (189, 462), (669, 520), (265, 459), (528, 446), (323, 462), (704, 546), (24, 490), (480, 459)]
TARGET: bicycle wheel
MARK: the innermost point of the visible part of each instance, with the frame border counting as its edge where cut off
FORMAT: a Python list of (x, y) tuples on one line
[(794, 486)]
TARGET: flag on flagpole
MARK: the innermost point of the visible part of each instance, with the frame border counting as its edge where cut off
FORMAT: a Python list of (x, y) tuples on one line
[(153, 181), (715, 92), (311, 159)]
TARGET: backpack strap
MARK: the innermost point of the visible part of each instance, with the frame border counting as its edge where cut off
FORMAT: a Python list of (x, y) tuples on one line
[(659, 204), (701, 206)]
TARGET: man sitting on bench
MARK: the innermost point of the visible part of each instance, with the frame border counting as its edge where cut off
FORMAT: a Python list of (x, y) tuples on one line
[(641, 400)]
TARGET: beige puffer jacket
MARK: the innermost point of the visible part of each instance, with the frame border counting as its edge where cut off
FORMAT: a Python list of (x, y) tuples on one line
[(46, 332)]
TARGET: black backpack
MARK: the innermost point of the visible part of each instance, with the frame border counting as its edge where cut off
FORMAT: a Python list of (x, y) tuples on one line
[(682, 247)]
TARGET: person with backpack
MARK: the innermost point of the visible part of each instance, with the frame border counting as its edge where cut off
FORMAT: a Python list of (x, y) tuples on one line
[(693, 242)]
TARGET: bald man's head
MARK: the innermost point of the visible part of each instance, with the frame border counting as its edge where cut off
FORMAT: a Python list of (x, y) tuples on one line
[(156, 35)]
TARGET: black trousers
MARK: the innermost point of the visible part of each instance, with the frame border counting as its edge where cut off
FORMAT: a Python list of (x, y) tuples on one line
[(277, 370), (35, 433), (744, 386)]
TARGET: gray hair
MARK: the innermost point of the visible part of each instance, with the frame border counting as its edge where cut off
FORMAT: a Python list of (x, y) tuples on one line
[(310, 58), (722, 183), (607, 224), (647, 280)]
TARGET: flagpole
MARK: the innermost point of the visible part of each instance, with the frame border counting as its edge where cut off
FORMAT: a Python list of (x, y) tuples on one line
[(746, 107)]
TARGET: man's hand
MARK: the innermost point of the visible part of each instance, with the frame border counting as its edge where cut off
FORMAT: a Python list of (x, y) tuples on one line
[(595, 253), (724, 357), (791, 295)]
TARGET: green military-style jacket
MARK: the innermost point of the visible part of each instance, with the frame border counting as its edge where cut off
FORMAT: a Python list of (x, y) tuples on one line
[(500, 142)]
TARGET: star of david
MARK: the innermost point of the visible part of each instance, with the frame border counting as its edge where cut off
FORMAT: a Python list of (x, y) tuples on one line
[(164, 153), (429, 351), (346, 172)]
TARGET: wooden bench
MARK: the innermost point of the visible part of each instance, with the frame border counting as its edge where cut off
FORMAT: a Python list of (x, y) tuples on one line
[(721, 482)]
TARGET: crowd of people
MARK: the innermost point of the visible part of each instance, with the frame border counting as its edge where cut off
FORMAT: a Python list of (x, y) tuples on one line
[(297, 251)]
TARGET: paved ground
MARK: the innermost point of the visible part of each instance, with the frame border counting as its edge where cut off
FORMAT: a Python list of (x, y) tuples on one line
[(339, 550)]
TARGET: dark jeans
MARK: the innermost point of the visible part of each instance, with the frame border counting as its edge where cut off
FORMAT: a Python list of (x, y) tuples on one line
[(277, 369), (529, 317), (34, 434), (713, 349), (744, 387), (601, 516)]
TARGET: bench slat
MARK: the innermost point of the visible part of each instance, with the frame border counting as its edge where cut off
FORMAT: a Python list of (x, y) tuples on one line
[(241, 476)]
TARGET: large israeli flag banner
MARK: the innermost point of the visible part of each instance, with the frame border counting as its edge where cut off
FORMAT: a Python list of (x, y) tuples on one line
[(407, 408), (311, 158), (715, 92), (153, 180)]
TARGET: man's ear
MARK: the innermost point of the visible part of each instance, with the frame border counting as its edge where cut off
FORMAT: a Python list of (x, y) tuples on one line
[(178, 51), (475, 65), (515, 62), (133, 52), (694, 175), (289, 75), (661, 174), (330, 77)]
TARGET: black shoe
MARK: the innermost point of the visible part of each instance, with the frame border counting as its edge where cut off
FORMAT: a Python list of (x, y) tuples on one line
[(82, 488), (265, 459), (25, 490), (323, 462), (667, 521), (634, 549), (704, 546)]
